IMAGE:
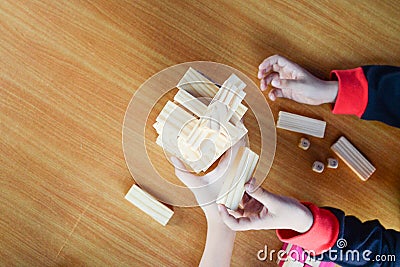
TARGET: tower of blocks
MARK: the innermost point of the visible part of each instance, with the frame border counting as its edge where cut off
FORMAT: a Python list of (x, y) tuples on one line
[(202, 111), (201, 124)]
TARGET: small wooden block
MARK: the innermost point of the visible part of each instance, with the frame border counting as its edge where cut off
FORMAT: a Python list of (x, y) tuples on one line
[(332, 163), (353, 158), (318, 166), (149, 205), (301, 124), (304, 143)]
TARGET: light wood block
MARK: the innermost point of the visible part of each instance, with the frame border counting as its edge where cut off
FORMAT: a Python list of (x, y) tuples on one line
[(353, 158), (148, 204), (304, 143), (311, 262), (318, 167), (290, 262), (242, 168), (301, 124), (199, 86)]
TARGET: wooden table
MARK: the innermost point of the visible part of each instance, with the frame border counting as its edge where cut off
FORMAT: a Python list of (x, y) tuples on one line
[(69, 70)]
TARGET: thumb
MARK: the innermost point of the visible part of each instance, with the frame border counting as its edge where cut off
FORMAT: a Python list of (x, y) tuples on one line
[(286, 83), (269, 200)]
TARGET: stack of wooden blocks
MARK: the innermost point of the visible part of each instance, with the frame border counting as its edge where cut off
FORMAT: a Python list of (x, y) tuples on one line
[(202, 123), (202, 111)]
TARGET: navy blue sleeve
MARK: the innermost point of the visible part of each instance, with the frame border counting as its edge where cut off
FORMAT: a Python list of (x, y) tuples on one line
[(363, 244), (383, 94)]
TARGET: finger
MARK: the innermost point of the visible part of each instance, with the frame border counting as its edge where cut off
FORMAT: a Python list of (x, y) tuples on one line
[(271, 77), (275, 93), (287, 84), (235, 224), (267, 80), (269, 62), (262, 73), (269, 200)]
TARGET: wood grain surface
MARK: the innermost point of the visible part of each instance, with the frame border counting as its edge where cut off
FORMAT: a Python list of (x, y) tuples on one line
[(68, 70)]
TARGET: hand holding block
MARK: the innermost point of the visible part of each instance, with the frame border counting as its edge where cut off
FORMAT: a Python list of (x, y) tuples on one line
[(318, 166), (149, 204), (304, 143), (242, 169), (332, 163)]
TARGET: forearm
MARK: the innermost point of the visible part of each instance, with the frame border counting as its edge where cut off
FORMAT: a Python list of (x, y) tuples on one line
[(219, 245)]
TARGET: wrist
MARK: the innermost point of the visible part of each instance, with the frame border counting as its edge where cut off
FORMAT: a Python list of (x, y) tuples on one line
[(332, 88), (306, 220)]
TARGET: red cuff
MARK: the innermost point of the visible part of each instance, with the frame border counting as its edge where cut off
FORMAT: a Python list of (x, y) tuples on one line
[(322, 234), (352, 96)]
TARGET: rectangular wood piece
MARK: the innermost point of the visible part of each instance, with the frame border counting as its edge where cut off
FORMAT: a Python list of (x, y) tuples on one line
[(301, 124), (233, 188), (199, 86), (148, 204), (353, 158)]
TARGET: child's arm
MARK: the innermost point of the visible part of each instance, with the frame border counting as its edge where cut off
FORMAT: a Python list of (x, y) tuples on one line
[(370, 239), (220, 238), (370, 92), (264, 210)]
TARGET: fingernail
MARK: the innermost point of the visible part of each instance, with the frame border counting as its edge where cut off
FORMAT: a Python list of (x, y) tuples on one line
[(271, 96), (249, 187), (219, 206), (276, 82)]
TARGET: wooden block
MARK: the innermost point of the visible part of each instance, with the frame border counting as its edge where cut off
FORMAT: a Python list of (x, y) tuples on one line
[(304, 143), (288, 248), (312, 262), (353, 158), (290, 262), (190, 102), (318, 166), (301, 124), (332, 163), (149, 205), (242, 169), (199, 86), (183, 135)]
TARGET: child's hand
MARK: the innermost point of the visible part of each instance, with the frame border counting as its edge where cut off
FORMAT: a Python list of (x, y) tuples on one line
[(264, 210), (206, 188), (293, 82)]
